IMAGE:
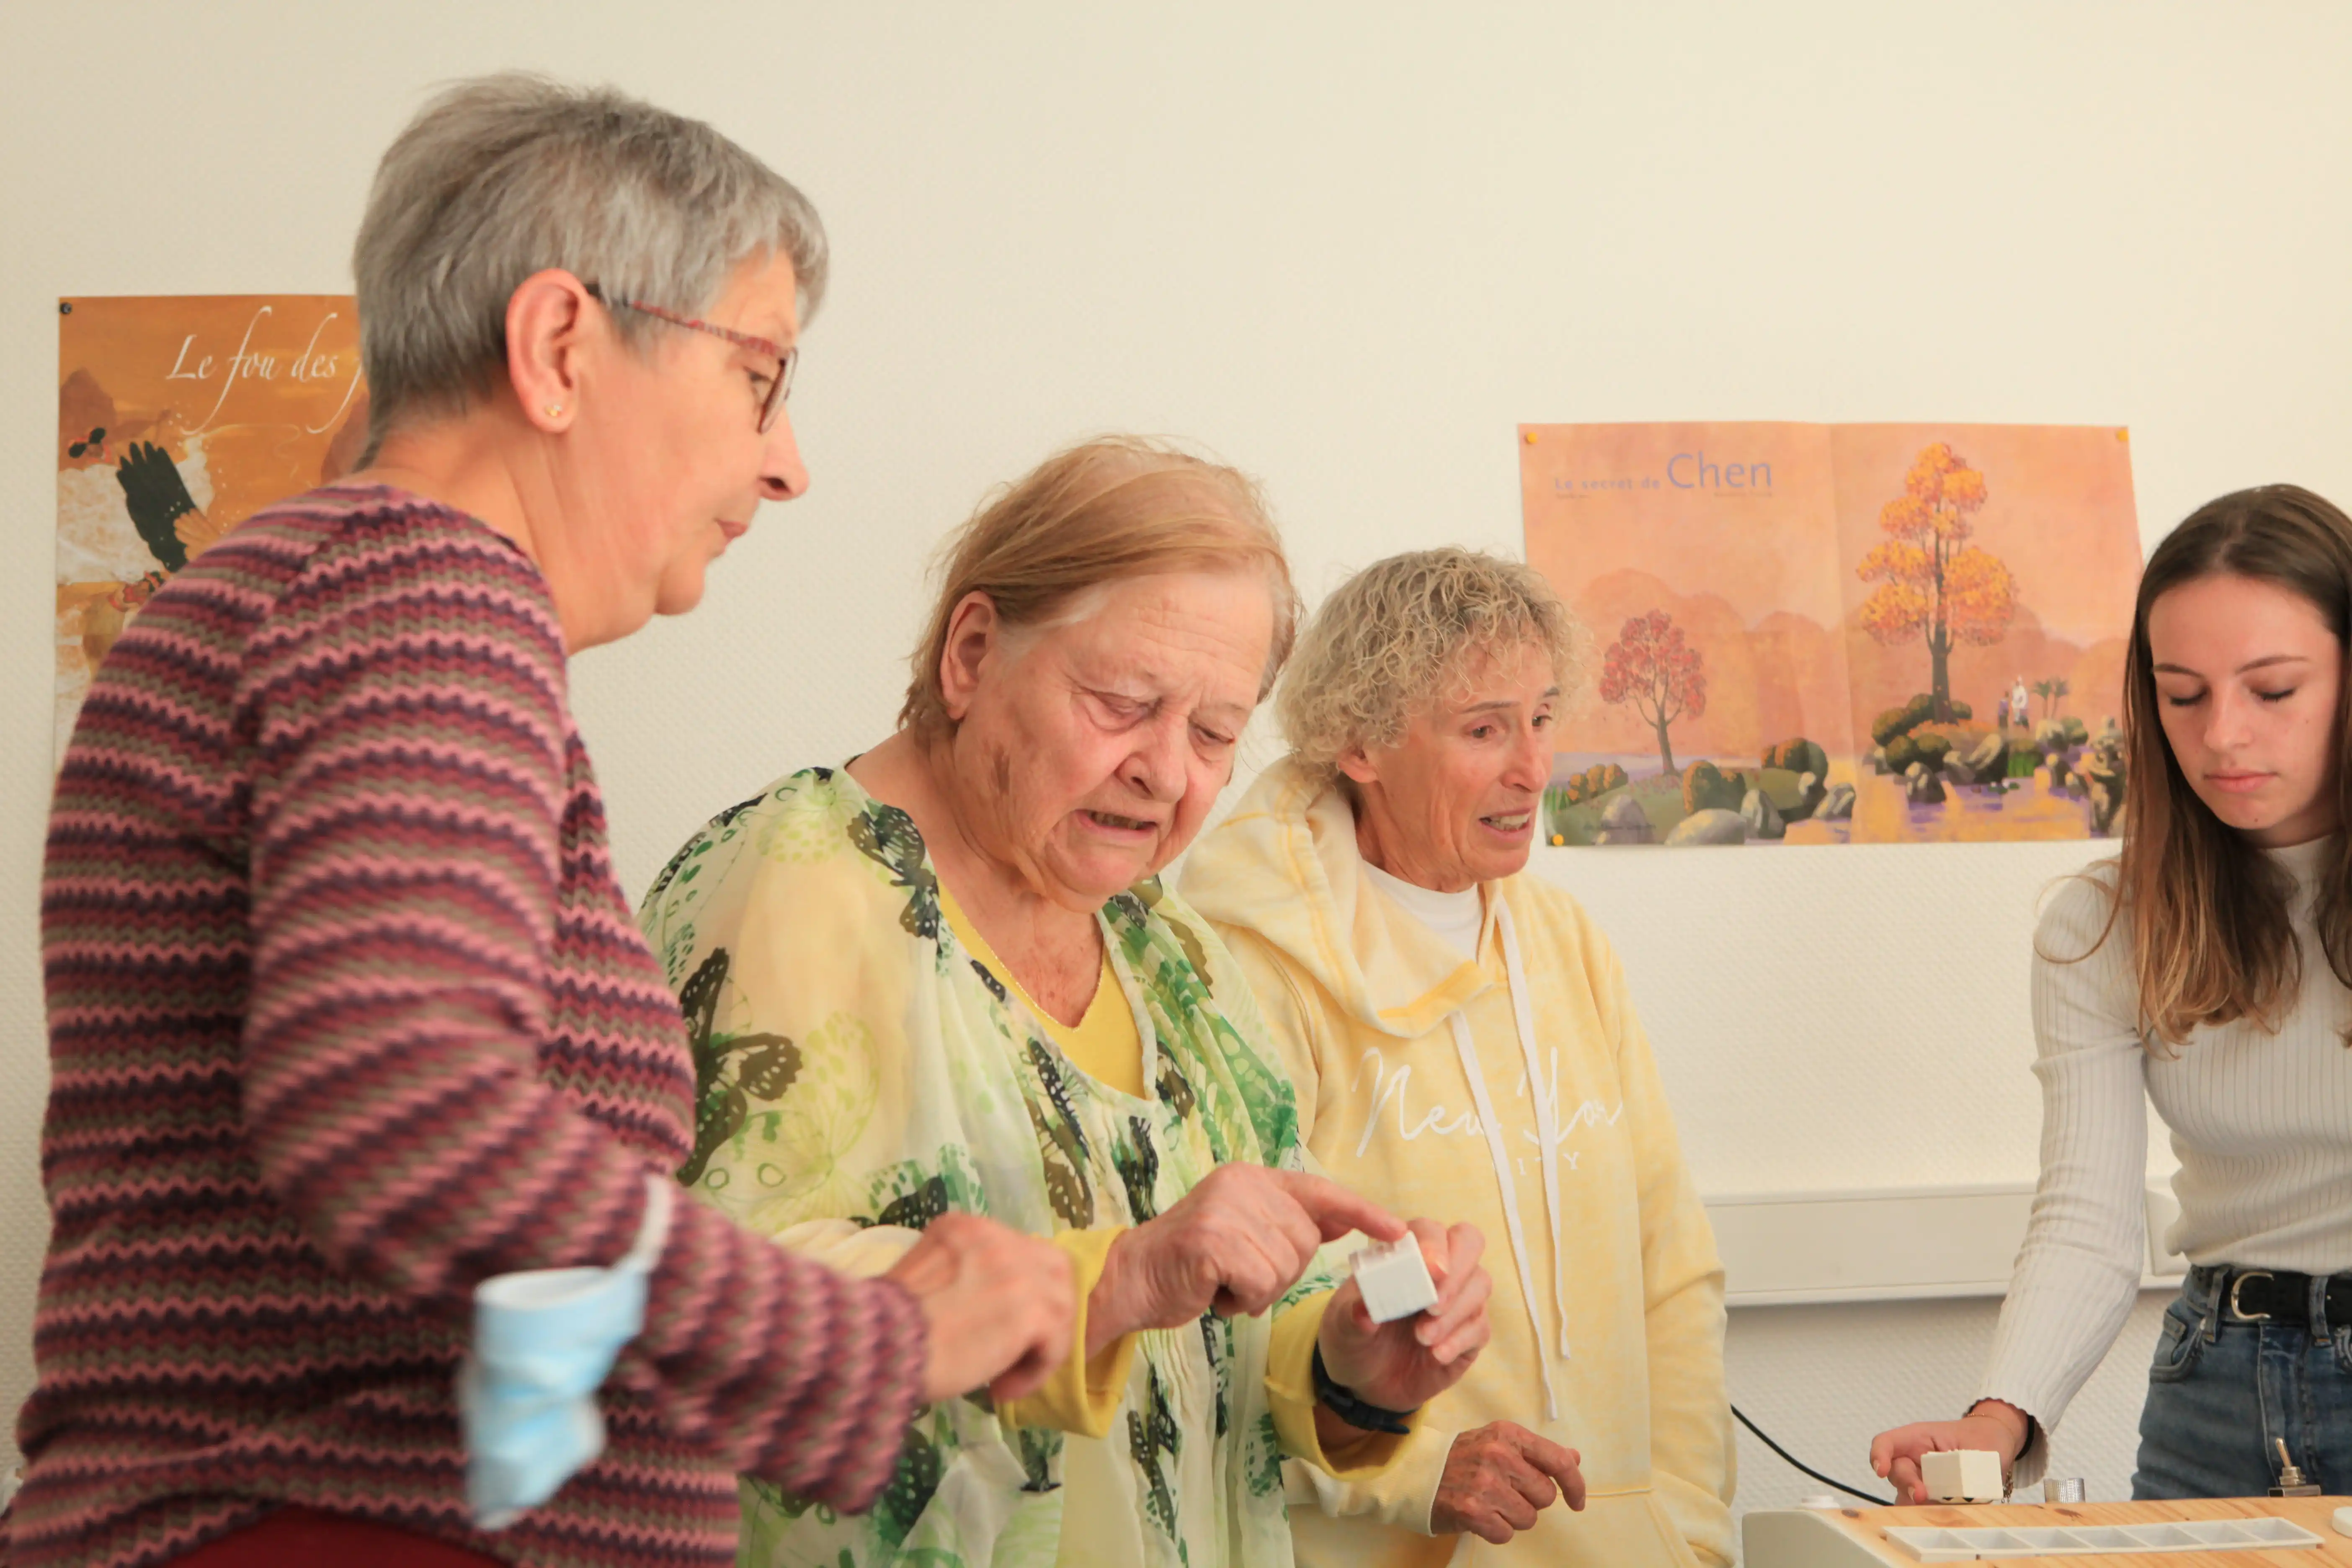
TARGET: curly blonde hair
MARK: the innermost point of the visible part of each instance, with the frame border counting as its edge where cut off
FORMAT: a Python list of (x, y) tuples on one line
[(1396, 636), (1096, 513)]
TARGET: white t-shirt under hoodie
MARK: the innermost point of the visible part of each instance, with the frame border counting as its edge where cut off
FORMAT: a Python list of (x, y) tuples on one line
[(1455, 917), (2262, 1124)]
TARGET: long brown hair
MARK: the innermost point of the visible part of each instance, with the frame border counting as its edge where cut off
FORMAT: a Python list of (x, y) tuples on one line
[(2212, 939)]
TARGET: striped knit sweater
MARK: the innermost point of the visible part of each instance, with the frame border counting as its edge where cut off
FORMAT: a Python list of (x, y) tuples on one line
[(347, 1012)]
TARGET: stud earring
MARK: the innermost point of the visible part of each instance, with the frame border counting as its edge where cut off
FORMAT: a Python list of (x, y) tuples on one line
[(555, 411)]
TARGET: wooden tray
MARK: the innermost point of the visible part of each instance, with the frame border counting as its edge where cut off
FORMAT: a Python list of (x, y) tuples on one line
[(1856, 1537)]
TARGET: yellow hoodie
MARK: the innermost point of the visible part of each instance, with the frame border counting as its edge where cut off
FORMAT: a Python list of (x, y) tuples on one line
[(1620, 1331)]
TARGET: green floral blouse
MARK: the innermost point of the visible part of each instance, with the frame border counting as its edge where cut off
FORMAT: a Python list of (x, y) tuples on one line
[(854, 1063)]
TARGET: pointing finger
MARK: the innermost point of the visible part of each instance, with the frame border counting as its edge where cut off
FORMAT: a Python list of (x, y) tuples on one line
[(1335, 1210)]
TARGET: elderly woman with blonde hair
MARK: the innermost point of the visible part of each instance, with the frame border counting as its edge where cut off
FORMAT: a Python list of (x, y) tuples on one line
[(945, 977), (1462, 1039)]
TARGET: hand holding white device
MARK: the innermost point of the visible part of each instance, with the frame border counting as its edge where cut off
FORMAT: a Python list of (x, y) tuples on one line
[(1394, 1279)]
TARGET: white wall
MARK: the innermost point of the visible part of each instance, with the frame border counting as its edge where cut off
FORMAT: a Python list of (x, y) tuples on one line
[(1347, 250)]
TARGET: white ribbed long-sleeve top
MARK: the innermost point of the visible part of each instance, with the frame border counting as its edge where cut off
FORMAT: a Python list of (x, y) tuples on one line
[(2262, 1124)]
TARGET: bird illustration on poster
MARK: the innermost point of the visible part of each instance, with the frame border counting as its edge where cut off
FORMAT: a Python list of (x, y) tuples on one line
[(177, 418)]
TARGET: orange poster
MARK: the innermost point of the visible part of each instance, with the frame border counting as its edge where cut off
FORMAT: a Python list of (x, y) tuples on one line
[(178, 418), (1815, 633)]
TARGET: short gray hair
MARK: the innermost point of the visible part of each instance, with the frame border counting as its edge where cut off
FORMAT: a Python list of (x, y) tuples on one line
[(1392, 639), (502, 176)]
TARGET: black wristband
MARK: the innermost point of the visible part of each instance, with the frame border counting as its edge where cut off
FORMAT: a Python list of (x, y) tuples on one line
[(1343, 1402)]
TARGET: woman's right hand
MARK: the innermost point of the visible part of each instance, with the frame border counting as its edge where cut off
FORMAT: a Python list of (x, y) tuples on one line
[(1234, 1244), (1990, 1424), (997, 1301), (1498, 1477)]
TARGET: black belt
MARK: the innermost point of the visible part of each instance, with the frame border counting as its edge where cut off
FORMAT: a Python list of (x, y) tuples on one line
[(2280, 1296)]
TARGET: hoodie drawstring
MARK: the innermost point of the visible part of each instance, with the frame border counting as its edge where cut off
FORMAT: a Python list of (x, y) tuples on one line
[(1547, 1098), (1546, 1131), (1469, 1054)]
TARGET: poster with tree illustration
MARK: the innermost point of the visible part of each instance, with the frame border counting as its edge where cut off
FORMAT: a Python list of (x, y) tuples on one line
[(1814, 634), (177, 418)]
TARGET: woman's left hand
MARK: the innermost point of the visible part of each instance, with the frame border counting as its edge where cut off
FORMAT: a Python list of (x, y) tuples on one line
[(1400, 1364)]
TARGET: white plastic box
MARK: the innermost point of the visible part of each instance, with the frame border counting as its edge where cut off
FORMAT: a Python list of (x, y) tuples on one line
[(1962, 1474), (1394, 1279)]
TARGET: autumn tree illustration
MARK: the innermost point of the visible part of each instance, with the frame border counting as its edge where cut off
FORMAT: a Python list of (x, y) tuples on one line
[(1932, 583), (1652, 667)]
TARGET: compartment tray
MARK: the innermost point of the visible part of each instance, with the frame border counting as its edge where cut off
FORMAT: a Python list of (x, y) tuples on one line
[(1927, 1543)]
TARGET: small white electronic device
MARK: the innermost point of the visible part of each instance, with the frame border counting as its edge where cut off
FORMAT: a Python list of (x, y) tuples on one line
[(1394, 1279), (1961, 1475)]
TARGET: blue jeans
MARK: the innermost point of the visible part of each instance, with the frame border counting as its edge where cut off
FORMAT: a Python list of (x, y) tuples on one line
[(2220, 1395)]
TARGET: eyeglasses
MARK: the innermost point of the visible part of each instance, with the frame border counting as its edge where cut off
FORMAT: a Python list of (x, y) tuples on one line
[(780, 386)]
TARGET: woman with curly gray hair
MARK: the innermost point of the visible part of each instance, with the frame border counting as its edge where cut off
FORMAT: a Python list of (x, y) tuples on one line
[(1461, 1038), (348, 1019)]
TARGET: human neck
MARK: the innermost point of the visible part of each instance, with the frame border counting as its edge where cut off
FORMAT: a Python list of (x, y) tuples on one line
[(2303, 830), (492, 465), (1055, 952), (1385, 848), (1422, 897), (2292, 840)]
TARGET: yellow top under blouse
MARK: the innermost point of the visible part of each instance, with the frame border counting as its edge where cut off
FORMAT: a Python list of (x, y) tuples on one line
[(1083, 1393)]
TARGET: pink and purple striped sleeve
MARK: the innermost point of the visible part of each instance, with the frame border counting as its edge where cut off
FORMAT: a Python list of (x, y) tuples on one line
[(413, 762)]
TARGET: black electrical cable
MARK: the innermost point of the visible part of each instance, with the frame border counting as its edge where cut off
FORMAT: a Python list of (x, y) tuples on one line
[(1876, 1501)]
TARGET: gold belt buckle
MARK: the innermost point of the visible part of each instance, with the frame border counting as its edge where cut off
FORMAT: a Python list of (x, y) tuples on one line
[(2237, 1283)]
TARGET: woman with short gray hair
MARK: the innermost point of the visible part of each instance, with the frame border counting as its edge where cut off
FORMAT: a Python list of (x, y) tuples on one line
[(1461, 1037), (347, 1013), (512, 175)]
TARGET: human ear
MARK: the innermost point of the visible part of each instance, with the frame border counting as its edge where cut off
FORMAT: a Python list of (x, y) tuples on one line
[(973, 632), (547, 326), (1357, 764)]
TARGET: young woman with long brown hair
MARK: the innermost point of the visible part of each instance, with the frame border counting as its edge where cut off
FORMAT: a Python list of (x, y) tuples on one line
[(2209, 967)]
